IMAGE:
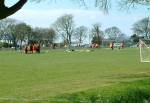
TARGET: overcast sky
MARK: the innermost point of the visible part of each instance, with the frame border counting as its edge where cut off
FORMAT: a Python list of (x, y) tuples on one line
[(45, 13)]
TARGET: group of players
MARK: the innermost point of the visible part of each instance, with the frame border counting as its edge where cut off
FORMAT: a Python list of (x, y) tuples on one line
[(111, 45), (32, 48), (35, 47), (121, 46)]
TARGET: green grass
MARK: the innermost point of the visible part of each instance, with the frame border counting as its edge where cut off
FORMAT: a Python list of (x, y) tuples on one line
[(127, 92), (46, 75)]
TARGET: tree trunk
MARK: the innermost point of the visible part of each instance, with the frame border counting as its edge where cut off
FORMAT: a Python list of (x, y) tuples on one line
[(5, 11), (21, 46)]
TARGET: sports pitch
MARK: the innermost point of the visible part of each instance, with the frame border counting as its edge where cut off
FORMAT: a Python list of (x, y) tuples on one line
[(54, 73)]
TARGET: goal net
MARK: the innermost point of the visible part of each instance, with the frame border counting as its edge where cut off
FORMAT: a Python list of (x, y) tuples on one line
[(144, 46)]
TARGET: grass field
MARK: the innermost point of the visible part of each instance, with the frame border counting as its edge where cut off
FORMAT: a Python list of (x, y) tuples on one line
[(55, 73)]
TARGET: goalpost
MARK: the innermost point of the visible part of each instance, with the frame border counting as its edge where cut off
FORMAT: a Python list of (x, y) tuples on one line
[(144, 46)]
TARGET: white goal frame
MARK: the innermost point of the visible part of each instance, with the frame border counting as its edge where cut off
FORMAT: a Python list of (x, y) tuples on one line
[(141, 44)]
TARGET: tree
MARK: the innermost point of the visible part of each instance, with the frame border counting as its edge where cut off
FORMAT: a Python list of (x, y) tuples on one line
[(97, 34), (133, 3), (64, 26), (37, 35), (4, 24), (113, 33), (7, 27), (142, 28), (102, 4), (134, 38), (80, 34), (11, 31), (45, 36), (21, 32), (6, 30), (50, 35), (106, 4), (7, 11), (3, 28)]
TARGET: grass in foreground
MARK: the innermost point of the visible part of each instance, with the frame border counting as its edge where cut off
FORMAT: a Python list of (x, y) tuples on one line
[(46, 75), (129, 92)]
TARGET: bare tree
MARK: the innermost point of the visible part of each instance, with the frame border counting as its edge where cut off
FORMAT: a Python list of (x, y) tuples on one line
[(11, 31), (45, 36), (37, 35), (132, 3), (80, 34), (64, 26), (4, 29), (142, 28), (50, 35), (104, 5), (97, 34), (21, 32), (3, 26), (113, 33)]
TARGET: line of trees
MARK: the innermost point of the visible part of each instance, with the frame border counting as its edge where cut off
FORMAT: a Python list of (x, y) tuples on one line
[(16, 32), (66, 28)]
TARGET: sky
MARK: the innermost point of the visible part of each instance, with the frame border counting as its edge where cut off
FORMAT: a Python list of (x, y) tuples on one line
[(45, 13)]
